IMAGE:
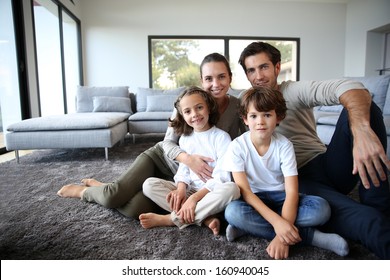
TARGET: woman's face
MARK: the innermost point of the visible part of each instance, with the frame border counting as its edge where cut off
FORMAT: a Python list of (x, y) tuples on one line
[(216, 79)]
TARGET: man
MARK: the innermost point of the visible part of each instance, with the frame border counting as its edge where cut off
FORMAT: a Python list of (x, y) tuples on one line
[(356, 151)]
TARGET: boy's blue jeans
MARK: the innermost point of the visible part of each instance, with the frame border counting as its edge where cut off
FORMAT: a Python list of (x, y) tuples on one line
[(312, 211), (329, 176)]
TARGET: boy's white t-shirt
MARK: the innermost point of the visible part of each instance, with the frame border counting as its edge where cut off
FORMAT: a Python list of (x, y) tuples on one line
[(264, 173)]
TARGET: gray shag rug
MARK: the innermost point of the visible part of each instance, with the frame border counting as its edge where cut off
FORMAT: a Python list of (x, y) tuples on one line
[(35, 223)]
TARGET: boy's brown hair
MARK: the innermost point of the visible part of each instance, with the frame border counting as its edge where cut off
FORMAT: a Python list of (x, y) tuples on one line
[(264, 99)]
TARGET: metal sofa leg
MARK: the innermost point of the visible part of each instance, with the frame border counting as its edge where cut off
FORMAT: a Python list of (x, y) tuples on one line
[(17, 155), (106, 153)]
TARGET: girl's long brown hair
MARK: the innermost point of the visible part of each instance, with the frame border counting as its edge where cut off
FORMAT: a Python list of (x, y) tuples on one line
[(179, 124)]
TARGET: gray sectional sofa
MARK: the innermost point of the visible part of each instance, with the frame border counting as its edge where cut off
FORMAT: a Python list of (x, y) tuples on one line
[(104, 116), (326, 116)]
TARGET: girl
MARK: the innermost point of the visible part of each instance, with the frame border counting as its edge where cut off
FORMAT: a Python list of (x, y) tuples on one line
[(263, 165), (189, 199), (125, 193)]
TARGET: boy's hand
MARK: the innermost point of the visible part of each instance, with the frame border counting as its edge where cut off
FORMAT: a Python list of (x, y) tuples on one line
[(277, 250), (287, 233)]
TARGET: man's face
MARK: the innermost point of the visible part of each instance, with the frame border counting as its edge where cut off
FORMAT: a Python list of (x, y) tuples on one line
[(261, 72)]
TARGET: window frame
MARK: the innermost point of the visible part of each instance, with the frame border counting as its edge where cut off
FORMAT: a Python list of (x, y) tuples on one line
[(226, 40)]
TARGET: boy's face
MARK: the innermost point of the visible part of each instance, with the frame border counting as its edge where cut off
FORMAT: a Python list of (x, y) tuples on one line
[(260, 71), (261, 124)]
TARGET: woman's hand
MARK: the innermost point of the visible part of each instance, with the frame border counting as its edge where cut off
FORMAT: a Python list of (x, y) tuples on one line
[(199, 165)]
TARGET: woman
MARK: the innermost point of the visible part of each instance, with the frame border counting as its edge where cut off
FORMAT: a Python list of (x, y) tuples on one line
[(125, 194)]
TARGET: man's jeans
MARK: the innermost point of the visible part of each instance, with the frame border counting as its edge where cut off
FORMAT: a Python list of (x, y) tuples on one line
[(330, 176)]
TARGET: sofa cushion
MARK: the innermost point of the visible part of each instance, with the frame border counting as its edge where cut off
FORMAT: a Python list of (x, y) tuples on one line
[(73, 121), (111, 104), (142, 93), (84, 95), (386, 120), (378, 87), (160, 103), (150, 116)]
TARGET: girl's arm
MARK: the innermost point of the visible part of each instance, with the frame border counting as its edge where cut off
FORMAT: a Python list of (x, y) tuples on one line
[(187, 211)]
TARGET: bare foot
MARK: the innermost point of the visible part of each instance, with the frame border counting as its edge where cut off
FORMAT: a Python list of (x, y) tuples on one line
[(150, 220), (214, 224), (92, 183), (71, 190)]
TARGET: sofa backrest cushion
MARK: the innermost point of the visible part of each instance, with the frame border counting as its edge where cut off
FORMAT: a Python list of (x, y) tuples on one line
[(143, 93), (378, 87), (111, 104), (160, 103), (85, 94)]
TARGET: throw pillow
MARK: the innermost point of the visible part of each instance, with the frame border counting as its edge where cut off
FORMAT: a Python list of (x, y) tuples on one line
[(160, 103), (111, 104), (85, 95), (142, 94)]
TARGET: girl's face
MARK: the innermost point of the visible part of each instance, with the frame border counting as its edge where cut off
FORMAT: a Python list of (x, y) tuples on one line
[(216, 79), (195, 112), (261, 124)]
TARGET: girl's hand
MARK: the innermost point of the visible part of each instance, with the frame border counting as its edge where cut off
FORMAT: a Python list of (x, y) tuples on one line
[(287, 233), (176, 199), (187, 211), (199, 165)]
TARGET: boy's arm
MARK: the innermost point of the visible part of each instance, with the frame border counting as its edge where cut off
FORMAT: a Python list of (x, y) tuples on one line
[(290, 206)]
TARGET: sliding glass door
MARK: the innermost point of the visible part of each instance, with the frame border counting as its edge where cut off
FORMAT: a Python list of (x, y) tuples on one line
[(58, 57), (10, 109)]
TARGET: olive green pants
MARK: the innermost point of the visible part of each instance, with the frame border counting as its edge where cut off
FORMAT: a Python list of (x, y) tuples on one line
[(125, 194)]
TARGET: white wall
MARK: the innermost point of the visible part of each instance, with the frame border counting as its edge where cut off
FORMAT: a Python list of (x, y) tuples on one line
[(115, 32), (364, 16)]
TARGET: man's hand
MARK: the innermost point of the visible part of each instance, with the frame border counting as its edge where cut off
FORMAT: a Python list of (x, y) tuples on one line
[(368, 156)]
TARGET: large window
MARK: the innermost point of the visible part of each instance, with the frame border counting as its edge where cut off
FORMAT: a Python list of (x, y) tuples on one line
[(58, 57), (174, 60), (10, 110)]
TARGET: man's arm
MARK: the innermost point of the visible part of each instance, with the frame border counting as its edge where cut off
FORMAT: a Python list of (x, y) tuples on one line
[(368, 152)]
